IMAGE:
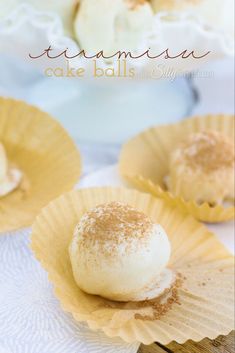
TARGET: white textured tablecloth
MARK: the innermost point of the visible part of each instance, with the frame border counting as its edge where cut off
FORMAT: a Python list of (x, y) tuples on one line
[(31, 319)]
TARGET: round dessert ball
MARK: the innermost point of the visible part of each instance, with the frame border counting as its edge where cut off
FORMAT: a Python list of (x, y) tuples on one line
[(3, 162), (120, 254), (100, 25), (202, 168), (10, 178)]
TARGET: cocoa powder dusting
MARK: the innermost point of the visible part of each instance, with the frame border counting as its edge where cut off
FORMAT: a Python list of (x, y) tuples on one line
[(113, 224), (159, 307), (209, 151)]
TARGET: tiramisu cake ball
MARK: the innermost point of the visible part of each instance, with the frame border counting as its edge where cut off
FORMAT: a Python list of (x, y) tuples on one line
[(120, 254), (202, 168), (112, 26), (10, 177)]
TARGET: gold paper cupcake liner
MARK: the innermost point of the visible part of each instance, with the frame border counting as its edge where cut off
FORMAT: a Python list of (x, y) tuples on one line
[(43, 151), (205, 305), (144, 162)]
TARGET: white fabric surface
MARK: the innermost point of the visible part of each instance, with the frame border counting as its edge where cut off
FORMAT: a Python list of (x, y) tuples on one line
[(31, 319)]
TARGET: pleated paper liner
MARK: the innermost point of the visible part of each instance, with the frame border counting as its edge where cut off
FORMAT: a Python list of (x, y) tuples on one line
[(46, 155), (205, 305), (144, 162)]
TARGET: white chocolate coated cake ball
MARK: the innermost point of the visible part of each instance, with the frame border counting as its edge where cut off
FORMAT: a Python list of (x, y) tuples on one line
[(120, 254), (202, 168), (10, 178), (111, 26)]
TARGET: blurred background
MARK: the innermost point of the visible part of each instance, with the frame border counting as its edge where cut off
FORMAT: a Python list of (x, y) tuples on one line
[(101, 114)]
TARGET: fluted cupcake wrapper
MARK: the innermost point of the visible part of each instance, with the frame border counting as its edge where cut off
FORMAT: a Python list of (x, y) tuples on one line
[(144, 162), (43, 151), (205, 306)]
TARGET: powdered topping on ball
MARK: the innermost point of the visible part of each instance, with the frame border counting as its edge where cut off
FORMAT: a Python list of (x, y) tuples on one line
[(115, 218), (209, 151), (201, 168), (118, 253)]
